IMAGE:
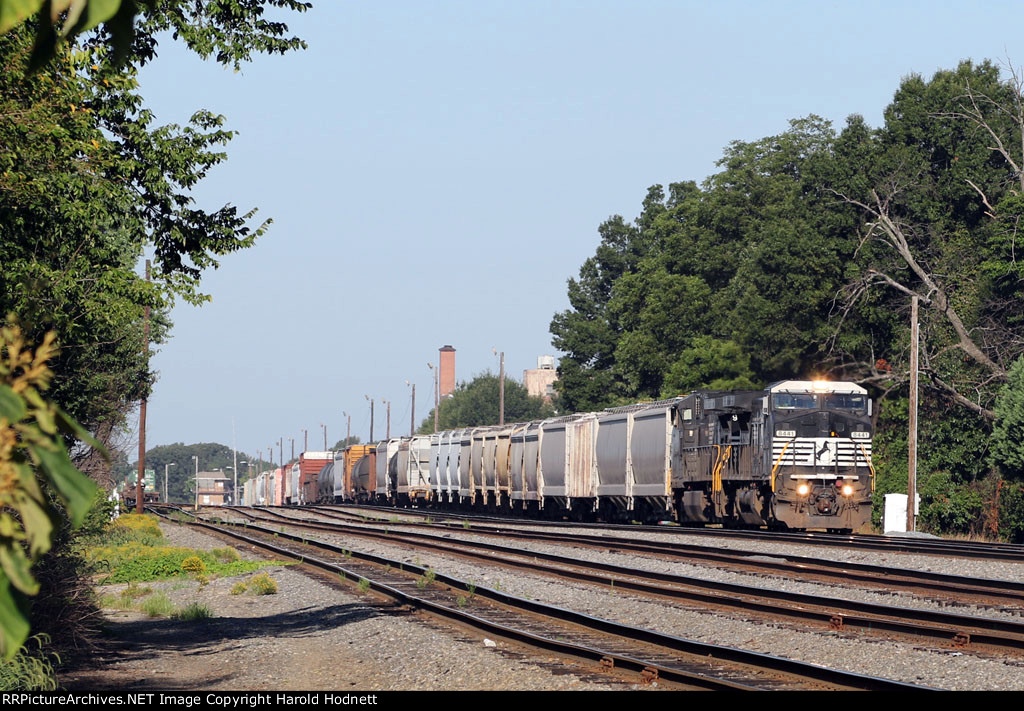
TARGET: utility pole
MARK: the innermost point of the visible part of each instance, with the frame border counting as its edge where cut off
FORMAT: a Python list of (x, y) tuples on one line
[(436, 373), (371, 416), (196, 457), (142, 409), (912, 437), (325, 435), (234, 451), (388, 436), (501, 390), (305, 441), (412, 414), (166, 491)]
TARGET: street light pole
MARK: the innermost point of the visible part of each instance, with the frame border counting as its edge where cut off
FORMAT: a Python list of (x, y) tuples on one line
[(436, 373), (196, 457), (166, 490)]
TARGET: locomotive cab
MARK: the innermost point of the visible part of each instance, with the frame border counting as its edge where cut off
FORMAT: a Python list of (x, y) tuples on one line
[(820, 455)]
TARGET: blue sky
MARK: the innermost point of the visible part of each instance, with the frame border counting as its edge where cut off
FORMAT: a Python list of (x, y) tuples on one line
[(436, 171)]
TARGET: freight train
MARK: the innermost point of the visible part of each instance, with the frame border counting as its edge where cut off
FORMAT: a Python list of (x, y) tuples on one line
[(796, 455)]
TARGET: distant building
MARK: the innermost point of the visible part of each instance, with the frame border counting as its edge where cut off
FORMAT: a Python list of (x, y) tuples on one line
[(541, 382), (214, 489)]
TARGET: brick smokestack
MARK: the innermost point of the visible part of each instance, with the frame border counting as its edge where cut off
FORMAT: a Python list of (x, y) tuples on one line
[(446, 385)]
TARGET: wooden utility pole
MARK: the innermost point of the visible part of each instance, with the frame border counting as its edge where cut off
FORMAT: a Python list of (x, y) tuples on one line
[(912, 436), (142, 411)]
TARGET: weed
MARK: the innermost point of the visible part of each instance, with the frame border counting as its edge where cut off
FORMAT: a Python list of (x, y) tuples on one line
[(460, 601), (158, 605), (192, 612), (133, 591), (426, 579), (364, 585), (225, 555), (203, 581), (465, 525), (262, 584), (29, 671), (342, 576), (239, 588), (471, 588)]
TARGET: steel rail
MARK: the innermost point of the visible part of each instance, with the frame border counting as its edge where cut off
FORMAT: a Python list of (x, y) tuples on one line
[(1006, 591), (1010, 552), (664, 664), (958, 630)]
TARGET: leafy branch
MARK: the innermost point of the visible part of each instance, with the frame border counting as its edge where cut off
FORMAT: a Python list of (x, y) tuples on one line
[(31, 450)]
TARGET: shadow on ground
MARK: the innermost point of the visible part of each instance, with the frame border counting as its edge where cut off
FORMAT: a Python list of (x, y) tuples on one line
[(132, 643)]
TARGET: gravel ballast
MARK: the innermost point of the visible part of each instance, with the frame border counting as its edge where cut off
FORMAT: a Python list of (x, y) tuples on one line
[(309, 636)]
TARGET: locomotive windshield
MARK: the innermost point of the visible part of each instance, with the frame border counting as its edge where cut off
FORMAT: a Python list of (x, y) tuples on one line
[(795, 401), (846, 401)]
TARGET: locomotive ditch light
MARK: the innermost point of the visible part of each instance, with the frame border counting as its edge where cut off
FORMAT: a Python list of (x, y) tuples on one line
[(803, 490), (847, 490)]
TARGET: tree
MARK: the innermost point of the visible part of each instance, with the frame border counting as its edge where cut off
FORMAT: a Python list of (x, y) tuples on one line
[(345, 442), (87, 181), (476, 404), (941, 207)]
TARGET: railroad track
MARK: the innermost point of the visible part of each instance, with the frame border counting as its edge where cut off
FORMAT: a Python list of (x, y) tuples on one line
[(999, 594), (614, 646), (967, 632), (974, 550)]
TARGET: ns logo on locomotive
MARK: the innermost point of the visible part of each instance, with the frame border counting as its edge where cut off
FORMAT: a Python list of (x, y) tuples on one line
[(795, 455)]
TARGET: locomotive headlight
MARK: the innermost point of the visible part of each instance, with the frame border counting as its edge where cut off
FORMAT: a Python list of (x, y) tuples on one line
[(803, 490), (847, 490)]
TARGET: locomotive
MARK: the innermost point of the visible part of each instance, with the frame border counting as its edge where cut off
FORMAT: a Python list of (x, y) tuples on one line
[(795, 455)]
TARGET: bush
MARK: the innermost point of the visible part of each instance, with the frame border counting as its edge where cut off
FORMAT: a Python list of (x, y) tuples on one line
[(239, 588), (192, 612), (193, 564), (135, 561), (1011, 512), (262, 584), (948, 506)]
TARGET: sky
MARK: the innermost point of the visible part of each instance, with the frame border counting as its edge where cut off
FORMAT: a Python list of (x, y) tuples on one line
[(436, 172)]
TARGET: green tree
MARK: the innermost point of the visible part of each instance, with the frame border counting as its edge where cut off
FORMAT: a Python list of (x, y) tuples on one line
[(1008, 431), (88, 180), (939, 203), (476, 404)]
